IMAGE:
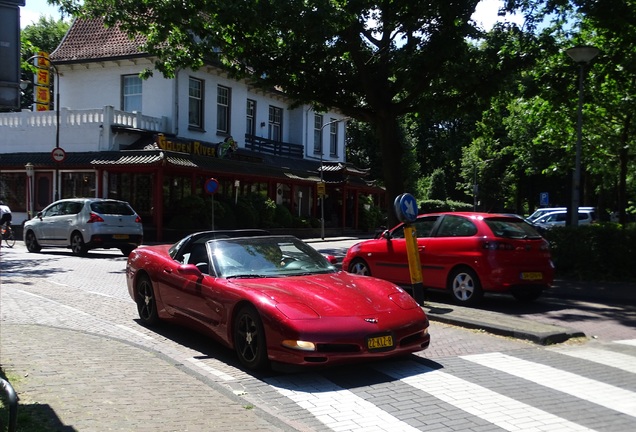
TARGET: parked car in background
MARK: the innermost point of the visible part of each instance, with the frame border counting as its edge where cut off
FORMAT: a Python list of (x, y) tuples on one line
[(464, 253), (559, 218), (273, 299), (82, 224), (540, 212)]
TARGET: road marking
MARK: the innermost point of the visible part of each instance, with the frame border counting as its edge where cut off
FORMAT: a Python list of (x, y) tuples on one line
[(135, 332), (616, 360), (500, 410), (608, 396), (211, 370), (62, 305), (627, 342), (339, 409)]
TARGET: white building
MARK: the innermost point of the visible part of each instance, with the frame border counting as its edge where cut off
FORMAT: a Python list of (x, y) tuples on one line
[(158, 141)]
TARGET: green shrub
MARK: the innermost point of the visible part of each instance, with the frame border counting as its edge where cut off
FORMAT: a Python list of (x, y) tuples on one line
[(246, 213), (602, 251), (282, 217), (433, 206)]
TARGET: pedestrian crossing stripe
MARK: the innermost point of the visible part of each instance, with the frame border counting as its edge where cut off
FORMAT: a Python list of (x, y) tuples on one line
[(599, 393), (627, 342), (338, 408), (607, 358), (500, 410)]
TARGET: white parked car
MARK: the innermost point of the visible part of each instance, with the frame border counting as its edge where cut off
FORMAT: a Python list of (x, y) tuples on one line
[(82, 224), (559, 218), (540, 212)]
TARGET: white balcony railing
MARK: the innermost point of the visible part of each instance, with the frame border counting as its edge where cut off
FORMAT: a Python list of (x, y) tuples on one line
[(80, 130)]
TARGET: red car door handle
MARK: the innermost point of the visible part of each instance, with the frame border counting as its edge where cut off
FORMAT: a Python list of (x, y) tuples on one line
[(167, 270)]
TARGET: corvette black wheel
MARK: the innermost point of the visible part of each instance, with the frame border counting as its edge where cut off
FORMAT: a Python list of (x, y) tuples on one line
[(146, 303), (249, 339)]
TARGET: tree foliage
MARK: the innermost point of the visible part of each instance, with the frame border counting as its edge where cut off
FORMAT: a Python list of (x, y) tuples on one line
[(376, 62)]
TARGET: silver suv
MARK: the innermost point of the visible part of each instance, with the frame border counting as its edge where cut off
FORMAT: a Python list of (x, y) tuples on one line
[(82, 224)]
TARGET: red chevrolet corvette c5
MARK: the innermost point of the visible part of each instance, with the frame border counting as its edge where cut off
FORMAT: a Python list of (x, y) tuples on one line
[(273, 299)]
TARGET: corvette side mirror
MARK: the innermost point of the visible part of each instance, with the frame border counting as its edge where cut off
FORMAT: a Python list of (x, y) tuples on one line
[(190, 270)]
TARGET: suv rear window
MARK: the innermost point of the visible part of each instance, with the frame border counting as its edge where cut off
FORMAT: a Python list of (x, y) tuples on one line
[(112, 208), (512, 228)]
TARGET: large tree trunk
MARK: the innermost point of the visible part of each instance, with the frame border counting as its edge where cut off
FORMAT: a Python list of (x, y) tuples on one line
[(392, 151)]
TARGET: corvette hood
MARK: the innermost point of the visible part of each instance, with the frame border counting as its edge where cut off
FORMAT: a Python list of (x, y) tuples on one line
[(335, 294)]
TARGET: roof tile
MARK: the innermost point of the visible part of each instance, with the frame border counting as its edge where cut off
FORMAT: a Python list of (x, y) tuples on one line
[(90, 39)]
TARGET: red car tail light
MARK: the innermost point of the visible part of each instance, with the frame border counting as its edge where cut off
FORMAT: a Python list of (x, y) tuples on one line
[(94, 217)]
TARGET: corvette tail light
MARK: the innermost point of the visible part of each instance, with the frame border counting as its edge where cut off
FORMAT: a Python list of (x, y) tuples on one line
[(94, 217)]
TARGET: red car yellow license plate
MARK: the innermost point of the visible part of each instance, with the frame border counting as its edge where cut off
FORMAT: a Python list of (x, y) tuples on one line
[(380, 342), (531, 276)]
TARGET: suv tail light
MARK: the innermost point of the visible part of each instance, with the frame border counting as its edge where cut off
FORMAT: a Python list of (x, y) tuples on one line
[(94, 217)]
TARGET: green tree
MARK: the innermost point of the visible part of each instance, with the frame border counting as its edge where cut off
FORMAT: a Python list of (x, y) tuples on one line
[(375, 62)]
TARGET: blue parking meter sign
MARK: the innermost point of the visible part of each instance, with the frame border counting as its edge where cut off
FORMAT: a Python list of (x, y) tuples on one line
[(406, 208), (544, 199)]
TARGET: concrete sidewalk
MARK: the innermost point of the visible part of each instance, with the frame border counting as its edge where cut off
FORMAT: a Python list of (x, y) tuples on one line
[(85, 382)]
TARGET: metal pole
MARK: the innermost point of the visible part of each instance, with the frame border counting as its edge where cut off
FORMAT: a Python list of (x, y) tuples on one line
[(12, 399), (576, 178), (57, 131), (322, 197), (475, 187)]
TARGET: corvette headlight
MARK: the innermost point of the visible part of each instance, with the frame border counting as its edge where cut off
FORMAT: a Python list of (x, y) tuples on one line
[(299, 345)]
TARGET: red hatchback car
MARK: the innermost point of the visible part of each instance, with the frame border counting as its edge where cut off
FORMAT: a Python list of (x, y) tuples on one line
[(463, 252)]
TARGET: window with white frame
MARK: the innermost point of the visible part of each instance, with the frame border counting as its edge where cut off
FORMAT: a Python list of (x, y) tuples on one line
[(195, 103), (131, 93), (222, 109), (333, 138), (318, 119), (275, 132), (250, 117)]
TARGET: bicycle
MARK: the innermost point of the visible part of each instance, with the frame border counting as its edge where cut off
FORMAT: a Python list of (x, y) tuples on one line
[(8, 236)]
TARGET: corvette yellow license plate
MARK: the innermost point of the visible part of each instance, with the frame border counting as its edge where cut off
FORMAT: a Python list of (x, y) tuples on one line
[(380, 342), (120, 236), (531, 276)]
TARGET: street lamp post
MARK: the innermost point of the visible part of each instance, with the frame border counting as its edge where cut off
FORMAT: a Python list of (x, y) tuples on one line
[(30, 172), (322, 196), (475, 185), (581, 55)]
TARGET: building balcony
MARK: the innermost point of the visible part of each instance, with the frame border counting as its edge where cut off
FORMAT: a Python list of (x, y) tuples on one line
[(80, 130)]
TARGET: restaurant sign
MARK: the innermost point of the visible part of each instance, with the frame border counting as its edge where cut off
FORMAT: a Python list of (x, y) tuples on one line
[(220, 150)]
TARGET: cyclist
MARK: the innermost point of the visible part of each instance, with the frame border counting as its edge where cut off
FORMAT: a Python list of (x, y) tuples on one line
[(5, 214)]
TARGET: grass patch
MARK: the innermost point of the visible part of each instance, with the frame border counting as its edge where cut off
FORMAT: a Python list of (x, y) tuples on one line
[(31, 416)]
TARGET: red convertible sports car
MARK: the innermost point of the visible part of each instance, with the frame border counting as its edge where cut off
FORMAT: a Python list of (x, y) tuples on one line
[(466, 254), (273, 299)]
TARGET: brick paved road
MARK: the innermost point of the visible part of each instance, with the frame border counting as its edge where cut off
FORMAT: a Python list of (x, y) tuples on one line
[(68, 323)]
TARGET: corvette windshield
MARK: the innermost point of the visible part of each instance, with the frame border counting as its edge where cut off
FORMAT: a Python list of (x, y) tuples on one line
[(273, 256)]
